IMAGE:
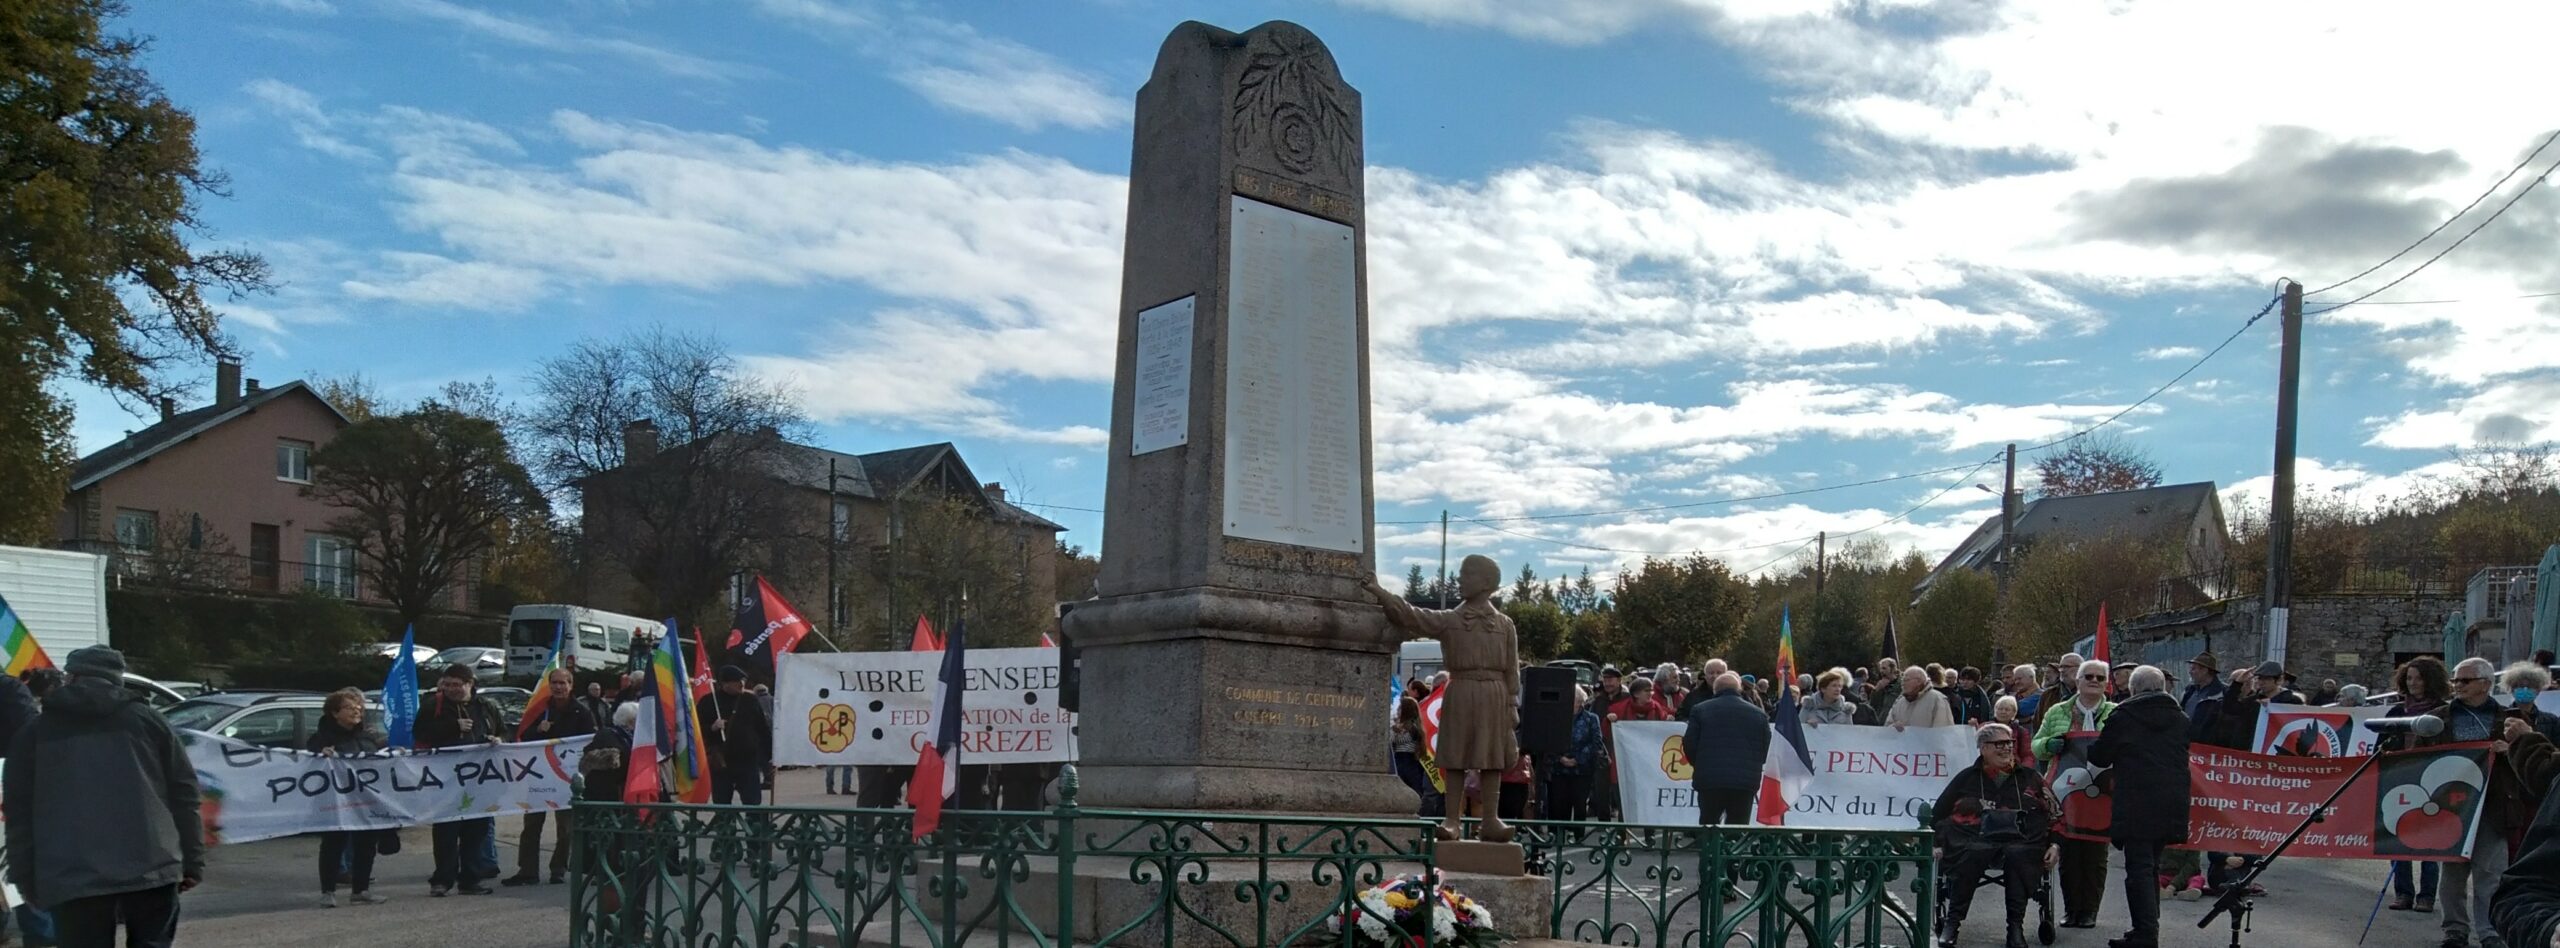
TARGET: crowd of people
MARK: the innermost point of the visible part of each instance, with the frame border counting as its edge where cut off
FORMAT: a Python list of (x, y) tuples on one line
[(2132, 723)]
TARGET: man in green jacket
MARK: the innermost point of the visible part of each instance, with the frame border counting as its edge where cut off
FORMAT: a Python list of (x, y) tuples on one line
[(2063, 738)]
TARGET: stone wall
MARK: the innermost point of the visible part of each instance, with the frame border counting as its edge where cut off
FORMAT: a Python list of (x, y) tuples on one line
[(2352, 637)]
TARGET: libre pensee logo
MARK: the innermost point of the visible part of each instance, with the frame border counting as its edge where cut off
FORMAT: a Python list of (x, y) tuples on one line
[(831, 727), (1674, 765)]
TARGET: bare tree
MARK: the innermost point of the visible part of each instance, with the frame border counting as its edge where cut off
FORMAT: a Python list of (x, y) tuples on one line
[(2095, 464), (948, 557), (686, 516)]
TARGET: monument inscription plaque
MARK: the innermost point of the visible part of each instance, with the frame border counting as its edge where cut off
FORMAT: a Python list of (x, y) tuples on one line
[(1163, 415), (1293, 396)]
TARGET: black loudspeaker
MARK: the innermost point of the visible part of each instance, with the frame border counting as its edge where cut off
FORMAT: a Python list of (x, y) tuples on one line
[(1546, 711)]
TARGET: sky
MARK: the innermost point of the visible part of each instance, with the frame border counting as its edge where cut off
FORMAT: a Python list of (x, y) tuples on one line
[(1623, 254)]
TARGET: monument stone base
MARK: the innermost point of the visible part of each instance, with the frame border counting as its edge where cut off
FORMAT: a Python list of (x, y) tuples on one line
[(1480, 858)]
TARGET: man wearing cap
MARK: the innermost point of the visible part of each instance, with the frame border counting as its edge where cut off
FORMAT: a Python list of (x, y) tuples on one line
[(2117, 689), (2061, 688), (738, 736), (101, 810)]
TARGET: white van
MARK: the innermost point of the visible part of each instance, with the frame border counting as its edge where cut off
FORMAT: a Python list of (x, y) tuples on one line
[(595, 639), (1418, 658)]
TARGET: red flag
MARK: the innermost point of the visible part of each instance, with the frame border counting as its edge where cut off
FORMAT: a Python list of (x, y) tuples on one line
[(925, 640), (764, 627), (2099, 653), (937, 774), (701, 684), (1047, 642)]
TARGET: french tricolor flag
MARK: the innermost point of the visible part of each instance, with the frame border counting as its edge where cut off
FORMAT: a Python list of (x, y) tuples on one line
[(938, 764), (1789, 769)]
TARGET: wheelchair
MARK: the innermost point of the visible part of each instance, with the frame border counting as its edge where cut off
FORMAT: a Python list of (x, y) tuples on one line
[(1995, 880)]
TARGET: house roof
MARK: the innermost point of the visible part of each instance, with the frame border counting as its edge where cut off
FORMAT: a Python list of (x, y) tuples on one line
[(2133, 513), (882, 474), (177, 429)]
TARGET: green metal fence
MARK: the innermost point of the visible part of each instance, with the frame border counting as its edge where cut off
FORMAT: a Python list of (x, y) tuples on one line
[(760, 876)]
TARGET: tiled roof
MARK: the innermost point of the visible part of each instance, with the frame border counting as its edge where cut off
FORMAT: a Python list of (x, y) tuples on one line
[(176, 429)]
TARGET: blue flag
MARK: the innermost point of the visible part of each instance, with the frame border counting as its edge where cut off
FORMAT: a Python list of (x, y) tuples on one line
[(400, 693)]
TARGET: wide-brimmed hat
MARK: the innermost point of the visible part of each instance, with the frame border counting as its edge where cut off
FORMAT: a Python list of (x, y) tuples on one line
[(2206, 661)]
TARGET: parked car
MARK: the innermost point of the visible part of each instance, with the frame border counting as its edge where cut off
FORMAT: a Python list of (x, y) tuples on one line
[(277, 719), (422, 654), (160, 696), (188, 689), (487, 664), (511, 702)]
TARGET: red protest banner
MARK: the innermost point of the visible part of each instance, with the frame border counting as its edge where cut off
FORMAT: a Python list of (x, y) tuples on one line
[(2418, 805)]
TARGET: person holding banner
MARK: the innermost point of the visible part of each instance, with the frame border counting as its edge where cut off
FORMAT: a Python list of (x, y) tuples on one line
[(2471, 717), (2423, 685), (2145, 744), (1996, 813), (2064, 737), (555, 715), (1921, 704), (456, 717), (739, 738), (341, 733)]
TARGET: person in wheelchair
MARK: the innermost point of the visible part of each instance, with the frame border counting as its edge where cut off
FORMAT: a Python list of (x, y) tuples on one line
[(1996, 814)]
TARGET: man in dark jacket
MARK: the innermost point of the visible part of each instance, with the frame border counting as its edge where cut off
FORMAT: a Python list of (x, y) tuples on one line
[(2527, 908), (1972, 704), (554, 715), (2471, 717), (456, 717), (2204, 683), (101, 809), (2145, 742), (1727, 742), (17, 708), (1994, 814), (737, 736)]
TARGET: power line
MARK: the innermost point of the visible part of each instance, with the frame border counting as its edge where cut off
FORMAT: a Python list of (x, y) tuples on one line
[(1801, 542), (2486, 299), (2449, 248), (2171, 383), (2448, 222)]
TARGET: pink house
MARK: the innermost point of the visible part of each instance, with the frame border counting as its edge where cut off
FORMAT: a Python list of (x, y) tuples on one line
[(213, 496)]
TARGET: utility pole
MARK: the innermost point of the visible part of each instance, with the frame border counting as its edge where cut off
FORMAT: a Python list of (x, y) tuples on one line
[(835, 538), (1821, 539), (2001, 565), (1444, 558), (2279, 589)]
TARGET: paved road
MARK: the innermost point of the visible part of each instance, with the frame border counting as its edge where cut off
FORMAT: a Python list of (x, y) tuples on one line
[(261, 894)]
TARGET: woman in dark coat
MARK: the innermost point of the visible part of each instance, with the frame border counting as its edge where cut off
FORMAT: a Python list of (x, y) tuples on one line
[(342, 733), (2145, 742)]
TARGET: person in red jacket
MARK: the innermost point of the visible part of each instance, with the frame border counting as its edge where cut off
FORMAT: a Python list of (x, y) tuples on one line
[(1639, 704)]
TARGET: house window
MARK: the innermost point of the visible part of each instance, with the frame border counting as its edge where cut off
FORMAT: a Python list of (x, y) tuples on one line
[(293, 461), (137, 530), (843, 521), (332, 565)]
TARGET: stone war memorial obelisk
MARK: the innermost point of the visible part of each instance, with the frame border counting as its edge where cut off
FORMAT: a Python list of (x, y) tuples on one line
[(1233, 661)]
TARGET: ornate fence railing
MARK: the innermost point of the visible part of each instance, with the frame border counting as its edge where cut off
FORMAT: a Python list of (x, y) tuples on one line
[(760, 876)]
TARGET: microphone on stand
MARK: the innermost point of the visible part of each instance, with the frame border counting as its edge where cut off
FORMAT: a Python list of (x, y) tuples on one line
[(2421, 725)]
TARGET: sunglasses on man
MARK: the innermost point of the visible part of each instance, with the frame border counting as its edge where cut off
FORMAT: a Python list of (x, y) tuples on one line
[(2093, 678)]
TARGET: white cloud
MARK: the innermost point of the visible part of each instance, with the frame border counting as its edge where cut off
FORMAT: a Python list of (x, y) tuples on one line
[(2171, 352), (953, 65), (309, 7), (301, 112), (532, 35)]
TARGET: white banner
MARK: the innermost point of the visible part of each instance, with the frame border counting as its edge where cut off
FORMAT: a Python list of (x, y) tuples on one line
[(872, 708), (2301, 730), (253, 793), (1863, 777)]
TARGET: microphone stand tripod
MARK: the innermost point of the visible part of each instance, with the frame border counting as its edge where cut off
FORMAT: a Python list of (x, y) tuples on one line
[(2235, 898)]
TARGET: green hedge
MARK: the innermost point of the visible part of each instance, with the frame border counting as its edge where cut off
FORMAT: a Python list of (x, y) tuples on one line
[(291, 641)]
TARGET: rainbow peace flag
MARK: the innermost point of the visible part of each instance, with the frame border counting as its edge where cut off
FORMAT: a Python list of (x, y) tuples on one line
[(18, 645), (539, 709), (1786, 650), (679, 735)]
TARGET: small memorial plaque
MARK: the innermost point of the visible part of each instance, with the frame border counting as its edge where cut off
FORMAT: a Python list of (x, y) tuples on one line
[(1293, 381), (1162, 417)]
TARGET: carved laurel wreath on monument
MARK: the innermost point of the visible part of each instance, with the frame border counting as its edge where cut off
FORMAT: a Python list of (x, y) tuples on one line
[(1288, 101)]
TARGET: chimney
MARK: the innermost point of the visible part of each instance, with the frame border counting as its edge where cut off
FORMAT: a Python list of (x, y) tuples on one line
[(252, 385), (995, 490), (168, 408), (226, 382), (639, 441)]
